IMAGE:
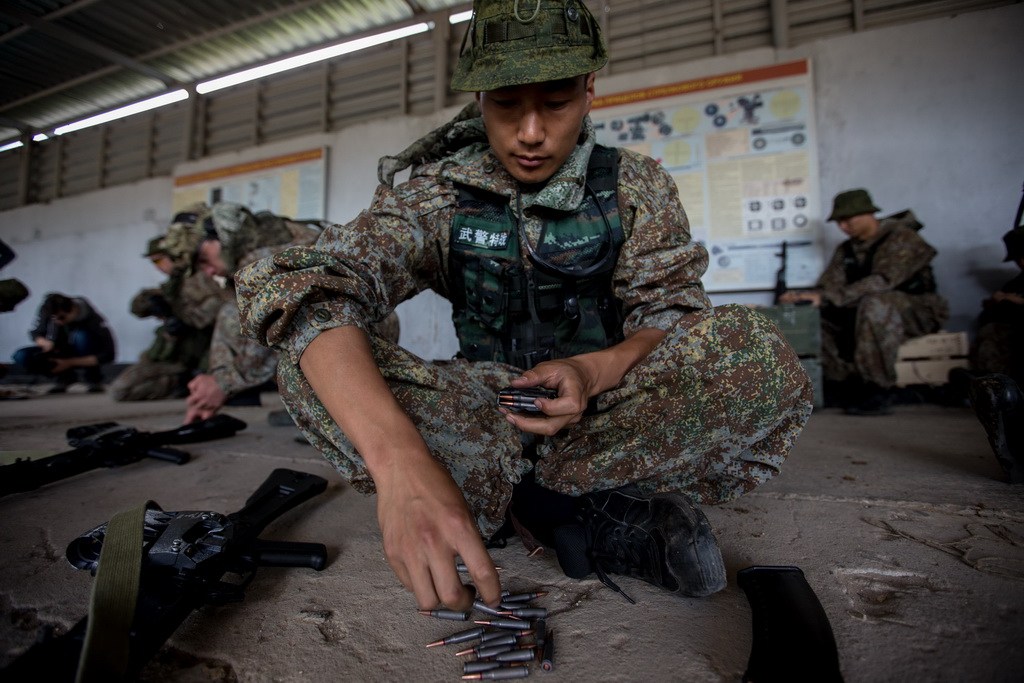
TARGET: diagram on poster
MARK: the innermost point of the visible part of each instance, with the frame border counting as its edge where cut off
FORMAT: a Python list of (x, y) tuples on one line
[(291, 185), (741, 149)]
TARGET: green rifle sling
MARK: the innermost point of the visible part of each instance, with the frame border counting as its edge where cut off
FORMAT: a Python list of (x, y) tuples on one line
[(105, 652)]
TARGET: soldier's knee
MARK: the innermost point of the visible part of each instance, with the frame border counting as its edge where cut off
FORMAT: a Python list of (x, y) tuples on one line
[(879, 309)]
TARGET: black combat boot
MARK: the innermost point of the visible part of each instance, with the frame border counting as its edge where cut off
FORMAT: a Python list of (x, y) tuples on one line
[(870, 399), (999, 405), (663, 539)]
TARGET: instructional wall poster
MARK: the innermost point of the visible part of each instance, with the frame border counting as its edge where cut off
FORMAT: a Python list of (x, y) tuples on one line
[(741, 148), (292, 185)]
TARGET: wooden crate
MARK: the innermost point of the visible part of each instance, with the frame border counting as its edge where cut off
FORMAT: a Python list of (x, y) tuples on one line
[(928, 359), (938, 345)]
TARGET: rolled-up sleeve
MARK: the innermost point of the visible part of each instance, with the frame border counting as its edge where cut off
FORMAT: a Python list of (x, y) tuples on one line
[(355, 274), (658, 275)]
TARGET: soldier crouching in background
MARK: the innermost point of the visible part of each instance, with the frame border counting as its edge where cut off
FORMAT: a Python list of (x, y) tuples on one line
[(187, 304), (70, 336)]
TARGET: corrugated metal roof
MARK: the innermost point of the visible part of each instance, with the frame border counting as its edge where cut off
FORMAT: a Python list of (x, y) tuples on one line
[(62, 60)]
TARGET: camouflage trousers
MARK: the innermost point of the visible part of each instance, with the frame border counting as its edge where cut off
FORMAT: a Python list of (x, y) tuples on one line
[(147, 381), (997, 349), (864, 341), (711, 412), (999, 342)]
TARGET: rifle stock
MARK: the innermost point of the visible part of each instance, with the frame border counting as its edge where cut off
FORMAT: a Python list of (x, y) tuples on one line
[(186, 556)]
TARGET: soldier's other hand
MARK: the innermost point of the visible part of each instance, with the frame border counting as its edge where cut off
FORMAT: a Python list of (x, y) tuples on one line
[(205, 398), (1008, 297), (797, 297)]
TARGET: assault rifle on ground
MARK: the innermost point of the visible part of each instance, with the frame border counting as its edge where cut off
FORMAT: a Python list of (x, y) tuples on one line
[(180, 563), (109, 444)]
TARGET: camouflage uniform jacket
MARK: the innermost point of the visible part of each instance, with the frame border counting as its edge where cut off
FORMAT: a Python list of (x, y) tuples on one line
[(357, 273), (197, 300), (235, 362), (194, 300), (901, 256)]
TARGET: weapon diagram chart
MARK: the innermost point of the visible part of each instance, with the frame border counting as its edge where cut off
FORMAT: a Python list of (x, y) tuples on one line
[(292, 185), (740, 149)]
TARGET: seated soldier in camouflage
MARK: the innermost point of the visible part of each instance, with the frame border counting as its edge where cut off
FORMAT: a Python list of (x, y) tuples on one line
[(229, 237), (999, 342), (569, 266), (998, 365), (877, 291), (187, 305)]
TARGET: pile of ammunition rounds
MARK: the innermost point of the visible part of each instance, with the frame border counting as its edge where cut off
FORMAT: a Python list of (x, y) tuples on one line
[(499, 652)]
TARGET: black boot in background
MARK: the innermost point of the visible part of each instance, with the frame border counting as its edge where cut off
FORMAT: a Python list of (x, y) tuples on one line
[(999, 405)]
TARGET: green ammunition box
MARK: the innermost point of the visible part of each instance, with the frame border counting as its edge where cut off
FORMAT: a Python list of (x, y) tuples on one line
[(800, 325), (812, 366)]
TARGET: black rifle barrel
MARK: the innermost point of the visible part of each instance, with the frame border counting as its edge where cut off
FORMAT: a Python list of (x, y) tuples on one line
[(108, 444)]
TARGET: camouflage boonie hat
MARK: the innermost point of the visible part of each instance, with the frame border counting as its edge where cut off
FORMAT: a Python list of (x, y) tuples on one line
[(181, 243), (1014, 241), (237, 229), (516, 42), (851, 203), (184, 235)]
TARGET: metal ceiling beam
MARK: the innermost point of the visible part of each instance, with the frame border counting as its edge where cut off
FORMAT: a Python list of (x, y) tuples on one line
[(780, 24), (85, 44), (15, 123), (160, 52), (56, 14)]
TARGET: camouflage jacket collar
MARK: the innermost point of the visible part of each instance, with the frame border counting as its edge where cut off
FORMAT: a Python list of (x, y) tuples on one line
[(476, 166)]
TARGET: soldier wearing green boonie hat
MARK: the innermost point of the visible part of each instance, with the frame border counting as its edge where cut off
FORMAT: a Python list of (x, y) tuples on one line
[(513, 42), (570, 267), (852, 203), (877, 291)]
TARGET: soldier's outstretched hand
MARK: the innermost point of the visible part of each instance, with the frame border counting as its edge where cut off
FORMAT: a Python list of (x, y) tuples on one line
[(426, 524), (205, 398)]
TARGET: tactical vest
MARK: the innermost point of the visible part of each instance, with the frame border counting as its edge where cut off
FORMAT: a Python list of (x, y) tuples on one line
[(921, 282), (562, 303)]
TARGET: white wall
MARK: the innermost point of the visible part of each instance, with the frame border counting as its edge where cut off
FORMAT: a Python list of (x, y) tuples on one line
[(927, 117), (924, 115), (90, 245)]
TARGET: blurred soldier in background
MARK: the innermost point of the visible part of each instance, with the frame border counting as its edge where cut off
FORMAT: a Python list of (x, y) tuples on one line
[(186, 304), (997, 367), (69, 335), (877, 292), (228, 238), (999, 344)]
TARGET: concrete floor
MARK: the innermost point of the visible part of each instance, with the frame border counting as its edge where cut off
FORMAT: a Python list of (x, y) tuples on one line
[(902, 525)]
